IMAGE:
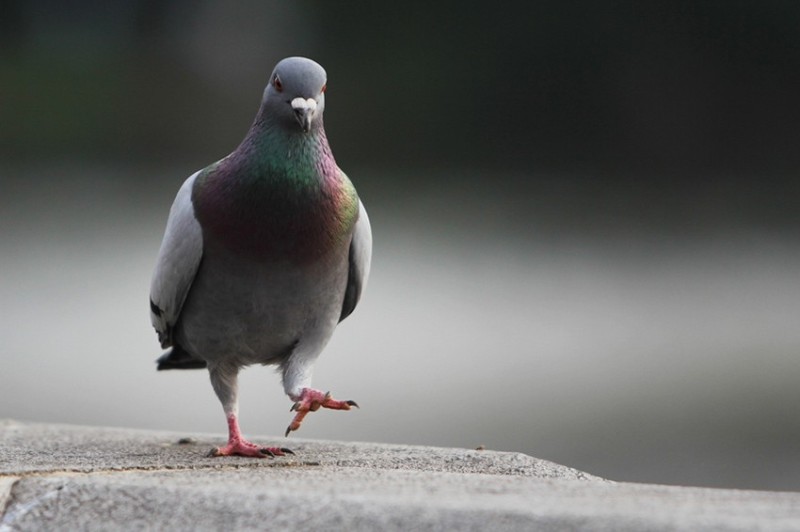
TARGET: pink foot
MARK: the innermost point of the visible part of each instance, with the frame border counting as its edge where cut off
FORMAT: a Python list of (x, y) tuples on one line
[(238, 446), (245, 448), (311, 400)]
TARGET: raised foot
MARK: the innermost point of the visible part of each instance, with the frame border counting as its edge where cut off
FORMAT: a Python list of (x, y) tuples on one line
[(245, 448), (311, 400)]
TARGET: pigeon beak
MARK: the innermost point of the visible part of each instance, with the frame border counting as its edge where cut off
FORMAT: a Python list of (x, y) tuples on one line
[(304, 110)]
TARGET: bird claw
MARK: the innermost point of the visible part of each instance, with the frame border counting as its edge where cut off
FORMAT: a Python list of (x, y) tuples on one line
[(239, 446), (245, 448), (311, 400)]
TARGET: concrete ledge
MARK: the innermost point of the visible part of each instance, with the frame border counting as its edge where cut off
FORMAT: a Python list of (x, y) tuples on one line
[(68, 477)]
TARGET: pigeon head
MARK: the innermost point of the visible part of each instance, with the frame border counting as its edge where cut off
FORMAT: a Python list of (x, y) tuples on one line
[(295, 96)]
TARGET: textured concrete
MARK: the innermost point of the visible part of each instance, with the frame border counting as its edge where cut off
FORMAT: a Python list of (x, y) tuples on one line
[(67, 477)]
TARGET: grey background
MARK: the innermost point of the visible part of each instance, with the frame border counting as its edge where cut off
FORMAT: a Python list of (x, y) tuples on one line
[(585, 219)]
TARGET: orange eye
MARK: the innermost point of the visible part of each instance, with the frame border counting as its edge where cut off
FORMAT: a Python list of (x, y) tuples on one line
[(324, 88), (276, 82)]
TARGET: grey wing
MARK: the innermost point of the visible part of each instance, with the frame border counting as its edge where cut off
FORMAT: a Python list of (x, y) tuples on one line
[(360, 259), (178, 261)]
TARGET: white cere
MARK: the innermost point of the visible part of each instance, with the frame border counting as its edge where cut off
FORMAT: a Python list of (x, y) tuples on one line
[(302, 103)]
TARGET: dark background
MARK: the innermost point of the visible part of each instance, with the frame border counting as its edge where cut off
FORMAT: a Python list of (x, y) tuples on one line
[(618, 88), (585, 215)]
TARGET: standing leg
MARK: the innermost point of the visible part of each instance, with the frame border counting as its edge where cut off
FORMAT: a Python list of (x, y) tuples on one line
[(224, 379)]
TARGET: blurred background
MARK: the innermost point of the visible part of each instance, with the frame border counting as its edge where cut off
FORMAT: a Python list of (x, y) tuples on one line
[(585, 216)]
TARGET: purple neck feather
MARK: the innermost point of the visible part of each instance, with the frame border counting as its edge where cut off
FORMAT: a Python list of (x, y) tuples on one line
[(278, 196)]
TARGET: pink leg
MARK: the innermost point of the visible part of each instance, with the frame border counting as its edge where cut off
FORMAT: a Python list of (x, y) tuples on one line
[(237, 445), (311, 400)]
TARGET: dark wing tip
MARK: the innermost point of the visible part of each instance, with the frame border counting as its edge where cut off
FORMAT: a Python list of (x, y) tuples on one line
[(352, 292), (179, 358), (155, 309)]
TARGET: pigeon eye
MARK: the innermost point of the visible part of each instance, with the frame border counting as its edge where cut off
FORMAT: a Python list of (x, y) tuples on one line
[(324, 88), (276, 82)]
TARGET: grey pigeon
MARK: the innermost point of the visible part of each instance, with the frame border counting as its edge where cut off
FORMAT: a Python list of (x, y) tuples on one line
[(264, 253)]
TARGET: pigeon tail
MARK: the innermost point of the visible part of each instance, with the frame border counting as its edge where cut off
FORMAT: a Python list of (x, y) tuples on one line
[(179, 358)]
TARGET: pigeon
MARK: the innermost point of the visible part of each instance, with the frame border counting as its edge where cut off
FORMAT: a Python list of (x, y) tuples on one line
[(265, 252)]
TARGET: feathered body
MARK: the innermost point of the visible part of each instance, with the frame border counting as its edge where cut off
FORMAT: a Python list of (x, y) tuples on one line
[(277, 217), (265, 250)]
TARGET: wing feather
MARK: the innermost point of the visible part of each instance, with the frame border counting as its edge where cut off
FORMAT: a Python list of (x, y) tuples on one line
[(178, 261), (360, 260)]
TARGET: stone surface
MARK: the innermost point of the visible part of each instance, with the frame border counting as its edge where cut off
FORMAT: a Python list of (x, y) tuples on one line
[(41, 448), (67, 477)]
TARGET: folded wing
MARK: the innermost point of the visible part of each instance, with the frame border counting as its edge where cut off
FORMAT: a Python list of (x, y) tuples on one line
[(360, 259), (178, 261)]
